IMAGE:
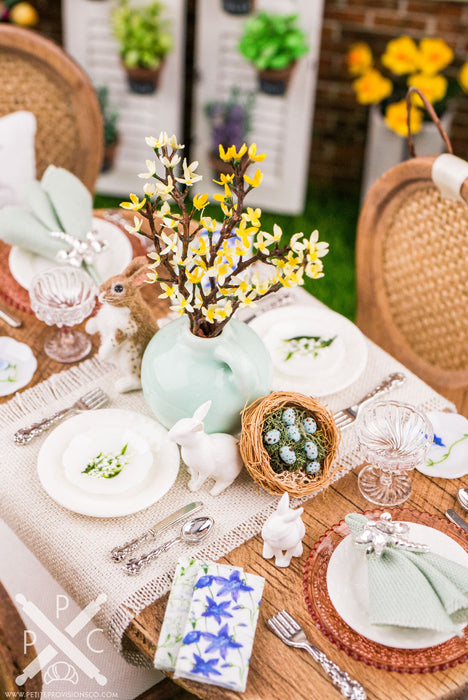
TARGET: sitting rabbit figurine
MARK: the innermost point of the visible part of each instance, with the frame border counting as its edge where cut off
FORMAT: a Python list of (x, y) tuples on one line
[(125, 323), (283, 532), (214, 456)]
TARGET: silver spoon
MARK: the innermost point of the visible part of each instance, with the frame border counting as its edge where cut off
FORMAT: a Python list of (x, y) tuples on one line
[(462, 497), (192, 532)]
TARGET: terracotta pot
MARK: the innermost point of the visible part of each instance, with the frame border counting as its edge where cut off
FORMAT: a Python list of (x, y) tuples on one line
[(143, 81), (109, 156), (275, 82), (238, 7)]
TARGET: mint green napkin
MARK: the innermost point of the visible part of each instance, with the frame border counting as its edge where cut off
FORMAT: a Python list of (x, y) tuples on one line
[(417, 589), (60, 202)]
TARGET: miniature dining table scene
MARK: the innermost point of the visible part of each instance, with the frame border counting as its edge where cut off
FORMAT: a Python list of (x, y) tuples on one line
[(234, 349)]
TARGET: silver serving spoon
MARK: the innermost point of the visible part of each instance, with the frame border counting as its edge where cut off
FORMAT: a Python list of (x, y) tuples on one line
[(462, 497), (192, 532)]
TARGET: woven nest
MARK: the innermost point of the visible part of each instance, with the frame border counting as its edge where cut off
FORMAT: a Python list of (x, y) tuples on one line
[(256, 458)]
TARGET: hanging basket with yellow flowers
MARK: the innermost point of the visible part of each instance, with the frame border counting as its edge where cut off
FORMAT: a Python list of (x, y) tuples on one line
[(428, 65)]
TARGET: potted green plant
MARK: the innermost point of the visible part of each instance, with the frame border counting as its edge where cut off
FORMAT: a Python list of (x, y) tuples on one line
[(238, 7), (229, 122), (110, 118), (144, 39), (273, 43)]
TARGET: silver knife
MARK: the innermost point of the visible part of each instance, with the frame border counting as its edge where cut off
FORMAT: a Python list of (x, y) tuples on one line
[(9, 318), (120, 553), (457, 519)]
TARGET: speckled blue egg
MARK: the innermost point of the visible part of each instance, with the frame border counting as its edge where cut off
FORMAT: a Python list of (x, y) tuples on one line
[(293, 432), (287, 454), (310, 449), (310, 426), (313, 467), (289, 416), (272, 437)]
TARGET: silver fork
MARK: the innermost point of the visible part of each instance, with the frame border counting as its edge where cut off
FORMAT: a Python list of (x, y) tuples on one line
[(95, 398), (292, 634), (348, 415)]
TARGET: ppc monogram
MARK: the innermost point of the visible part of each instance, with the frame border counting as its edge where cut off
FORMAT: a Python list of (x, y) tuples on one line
[(61, 641)]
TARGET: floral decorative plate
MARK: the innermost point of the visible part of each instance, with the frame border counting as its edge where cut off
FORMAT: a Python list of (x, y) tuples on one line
[(108, 463), (24, 265), (448, 457), (314, 351), (17, 365), (432, 655)]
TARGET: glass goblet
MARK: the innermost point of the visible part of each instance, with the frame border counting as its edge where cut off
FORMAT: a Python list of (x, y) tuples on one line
[(394, 437), (64, 297)]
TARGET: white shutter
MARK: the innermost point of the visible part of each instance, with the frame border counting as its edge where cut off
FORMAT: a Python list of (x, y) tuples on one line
[(88, 38), (281, 126)]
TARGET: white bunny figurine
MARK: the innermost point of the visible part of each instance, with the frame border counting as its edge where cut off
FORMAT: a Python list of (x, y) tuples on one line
[(125, 323), (283, 532), (213, 456)]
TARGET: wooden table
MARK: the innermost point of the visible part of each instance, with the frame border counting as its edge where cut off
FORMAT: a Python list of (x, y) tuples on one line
[(278, 672)]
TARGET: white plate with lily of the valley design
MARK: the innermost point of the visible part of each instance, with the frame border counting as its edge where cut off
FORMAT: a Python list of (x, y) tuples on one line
[(348, 589), (24, 264), (108, 463), (314, 351), (448, 456), (17, 365)]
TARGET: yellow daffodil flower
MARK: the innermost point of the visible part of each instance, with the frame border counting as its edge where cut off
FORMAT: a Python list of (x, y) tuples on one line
[(200, 201), (134, 203), (252, 216), (396, 118), (372, 87), (434, 55), (224, 179), (401, 56), (190, 178), (137, 222), (253, 155), (151, 169), (434, 87), (359, 58), (463, 77), (256, 180)]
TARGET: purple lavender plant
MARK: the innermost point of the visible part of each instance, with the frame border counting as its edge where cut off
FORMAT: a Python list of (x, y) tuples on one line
[(230, 120)]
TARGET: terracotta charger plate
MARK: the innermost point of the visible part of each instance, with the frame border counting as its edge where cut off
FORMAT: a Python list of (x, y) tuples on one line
[(434, 658)]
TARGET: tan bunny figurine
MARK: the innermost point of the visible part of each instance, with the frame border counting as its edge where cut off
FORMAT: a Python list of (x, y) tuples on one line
[(125, 323)]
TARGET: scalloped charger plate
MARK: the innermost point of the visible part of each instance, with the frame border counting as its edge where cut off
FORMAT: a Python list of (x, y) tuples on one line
[(143, 493)]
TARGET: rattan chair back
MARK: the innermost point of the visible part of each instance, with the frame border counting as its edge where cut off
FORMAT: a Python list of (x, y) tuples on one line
[(39, 77), (412, 275)]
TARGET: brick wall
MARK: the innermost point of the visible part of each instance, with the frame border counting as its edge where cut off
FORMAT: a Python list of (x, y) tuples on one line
[(340, 122)]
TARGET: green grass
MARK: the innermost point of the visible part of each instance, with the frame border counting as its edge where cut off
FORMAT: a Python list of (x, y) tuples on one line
[(336, 218)]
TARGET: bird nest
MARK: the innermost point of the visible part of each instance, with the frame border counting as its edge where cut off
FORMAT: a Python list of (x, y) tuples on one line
[(257, 460)]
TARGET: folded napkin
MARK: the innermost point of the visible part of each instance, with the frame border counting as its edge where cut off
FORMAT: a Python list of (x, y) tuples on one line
[(60, 202), (209, 626), (409, 586)]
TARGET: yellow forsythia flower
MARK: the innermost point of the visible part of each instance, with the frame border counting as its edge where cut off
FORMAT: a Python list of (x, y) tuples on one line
[(253, 155), (463, 77), (401, 56), (256, 180), (434, 55), (434, 87), (200, 201), (372, 87), (396, 118), (134, 203), (359, 58)]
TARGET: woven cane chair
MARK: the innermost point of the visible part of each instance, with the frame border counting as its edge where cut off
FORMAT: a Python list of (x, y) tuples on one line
[(412, 274), (37, 76)]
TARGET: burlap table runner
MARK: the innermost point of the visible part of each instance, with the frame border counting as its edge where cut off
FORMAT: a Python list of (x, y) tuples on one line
[(76, 548)]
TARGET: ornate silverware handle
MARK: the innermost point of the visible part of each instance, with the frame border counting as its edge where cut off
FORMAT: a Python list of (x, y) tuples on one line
[(25, 435), (134, 566), (118, 554), (349, 688), (390, 382)]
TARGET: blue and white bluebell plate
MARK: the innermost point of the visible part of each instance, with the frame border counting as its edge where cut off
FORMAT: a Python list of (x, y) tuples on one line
[(448, 456)]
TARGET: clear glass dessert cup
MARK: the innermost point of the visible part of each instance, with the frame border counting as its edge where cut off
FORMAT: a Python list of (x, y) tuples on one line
[(64, 297), (394, 438)]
